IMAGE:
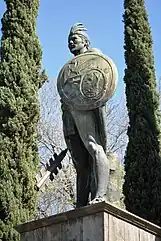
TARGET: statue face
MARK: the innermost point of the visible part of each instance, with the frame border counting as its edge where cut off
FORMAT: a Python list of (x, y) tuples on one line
[(76, 44)]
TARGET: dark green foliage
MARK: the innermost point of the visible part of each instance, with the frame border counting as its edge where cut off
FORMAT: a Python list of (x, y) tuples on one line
[(142, 186), (19, 113)]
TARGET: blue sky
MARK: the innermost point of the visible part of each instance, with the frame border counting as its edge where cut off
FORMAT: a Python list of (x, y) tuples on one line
[(103, 20)]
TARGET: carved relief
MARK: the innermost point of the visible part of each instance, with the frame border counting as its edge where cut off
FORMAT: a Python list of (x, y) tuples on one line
[(87, 81)]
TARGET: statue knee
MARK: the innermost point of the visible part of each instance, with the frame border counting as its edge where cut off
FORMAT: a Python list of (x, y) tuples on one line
[(93, 147), (98, 153)]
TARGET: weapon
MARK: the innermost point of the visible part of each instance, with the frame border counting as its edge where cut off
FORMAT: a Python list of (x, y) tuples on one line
[(51, 168)]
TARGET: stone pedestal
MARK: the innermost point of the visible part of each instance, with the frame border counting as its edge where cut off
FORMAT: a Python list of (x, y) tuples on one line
[(98, 222)]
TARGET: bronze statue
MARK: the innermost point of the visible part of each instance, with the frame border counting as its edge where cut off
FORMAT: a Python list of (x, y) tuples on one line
[(85, 83)]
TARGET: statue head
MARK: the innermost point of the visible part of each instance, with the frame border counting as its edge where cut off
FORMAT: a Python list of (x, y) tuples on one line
[(78, 40)]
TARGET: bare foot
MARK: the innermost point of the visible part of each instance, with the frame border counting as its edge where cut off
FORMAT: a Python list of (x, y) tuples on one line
[(97, 200)]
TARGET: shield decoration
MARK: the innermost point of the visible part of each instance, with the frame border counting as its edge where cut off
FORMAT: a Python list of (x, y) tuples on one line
[(87, 81)]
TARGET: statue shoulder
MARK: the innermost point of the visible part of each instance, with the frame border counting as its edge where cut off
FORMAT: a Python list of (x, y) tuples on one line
[(95, 50)]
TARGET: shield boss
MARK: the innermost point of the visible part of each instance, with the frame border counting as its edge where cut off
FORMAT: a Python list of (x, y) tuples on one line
[(87, 81)]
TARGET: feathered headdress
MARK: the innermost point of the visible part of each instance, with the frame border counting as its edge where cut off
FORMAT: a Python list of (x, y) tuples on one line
[(78, 28)]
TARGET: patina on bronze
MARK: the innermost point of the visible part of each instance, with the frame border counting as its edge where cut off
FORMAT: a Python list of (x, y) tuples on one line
[(87, 81)]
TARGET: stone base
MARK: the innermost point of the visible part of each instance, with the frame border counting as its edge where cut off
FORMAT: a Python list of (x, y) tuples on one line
[(98, 222)]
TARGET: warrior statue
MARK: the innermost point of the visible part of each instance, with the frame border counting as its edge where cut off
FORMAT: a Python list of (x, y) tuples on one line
[(85, 83)]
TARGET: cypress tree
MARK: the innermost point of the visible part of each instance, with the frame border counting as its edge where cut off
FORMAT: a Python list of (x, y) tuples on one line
[(142, 187), (20, 78)]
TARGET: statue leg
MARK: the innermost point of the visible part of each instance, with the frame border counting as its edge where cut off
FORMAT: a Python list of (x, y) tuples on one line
[(80, 157), (101, 168), (87, 127)]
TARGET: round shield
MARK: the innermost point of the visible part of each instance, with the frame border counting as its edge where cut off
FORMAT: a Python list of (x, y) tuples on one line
[(87, 81)]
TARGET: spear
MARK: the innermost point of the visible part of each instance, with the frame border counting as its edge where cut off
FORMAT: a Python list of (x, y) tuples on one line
[(51, 168)]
